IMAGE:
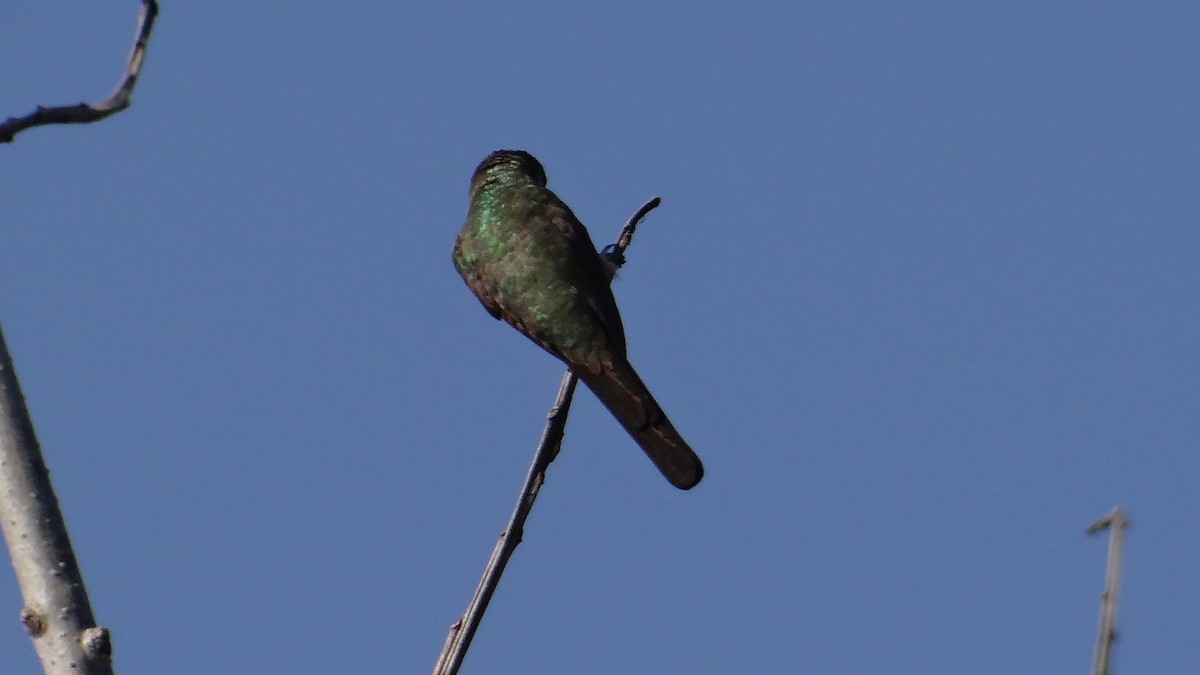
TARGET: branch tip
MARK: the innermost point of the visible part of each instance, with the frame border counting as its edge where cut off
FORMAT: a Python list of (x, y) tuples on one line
[(84, 113)]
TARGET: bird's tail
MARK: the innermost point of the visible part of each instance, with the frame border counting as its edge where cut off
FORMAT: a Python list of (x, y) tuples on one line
[(621, 390)]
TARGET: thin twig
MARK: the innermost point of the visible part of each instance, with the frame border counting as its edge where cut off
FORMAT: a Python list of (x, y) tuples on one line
[(463, 631), (626, 237), (1116, 522), (84, 113)]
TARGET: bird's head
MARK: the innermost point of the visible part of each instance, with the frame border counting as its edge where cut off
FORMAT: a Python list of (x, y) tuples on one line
[(508, 166)]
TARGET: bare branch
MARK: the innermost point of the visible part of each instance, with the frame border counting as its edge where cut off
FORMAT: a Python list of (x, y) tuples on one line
[(57, 614), (84, 113), (463, 631), (1116, 521), (626, 237)]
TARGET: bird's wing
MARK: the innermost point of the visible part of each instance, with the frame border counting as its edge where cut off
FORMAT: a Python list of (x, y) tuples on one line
[(603, 366), (592, 278)]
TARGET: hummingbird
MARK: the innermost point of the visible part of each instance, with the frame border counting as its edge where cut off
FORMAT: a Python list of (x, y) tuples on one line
[(530, 261)]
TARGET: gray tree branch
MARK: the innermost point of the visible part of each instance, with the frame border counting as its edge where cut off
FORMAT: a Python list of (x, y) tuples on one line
[(57, 614), (1116, 522)]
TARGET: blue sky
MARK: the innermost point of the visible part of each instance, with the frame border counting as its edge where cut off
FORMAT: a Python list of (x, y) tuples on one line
[(922, 293)]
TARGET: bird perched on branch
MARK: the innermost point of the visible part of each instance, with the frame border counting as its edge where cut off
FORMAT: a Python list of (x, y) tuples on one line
[(530, 261)]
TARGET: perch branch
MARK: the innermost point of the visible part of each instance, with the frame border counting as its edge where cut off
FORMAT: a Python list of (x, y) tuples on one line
[(83, 113), (463, 631)]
